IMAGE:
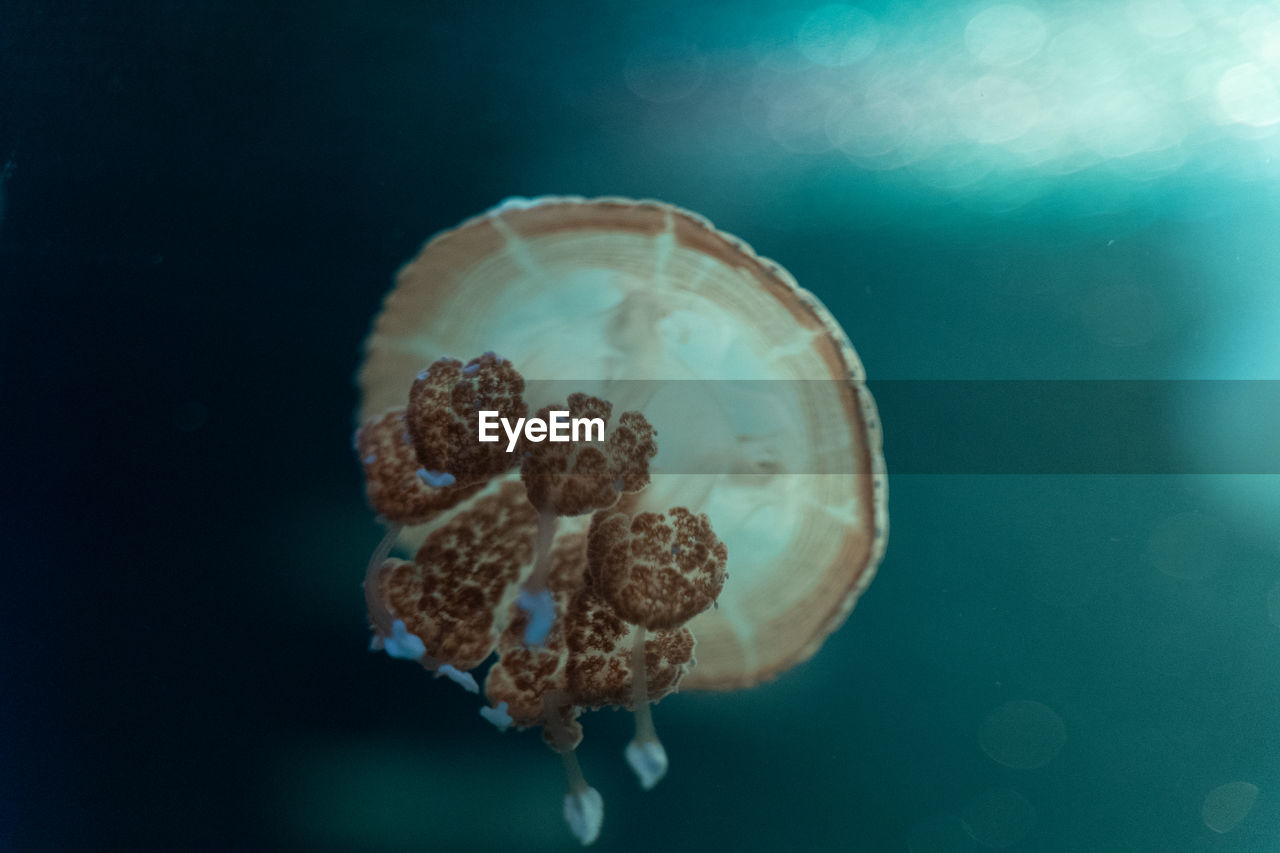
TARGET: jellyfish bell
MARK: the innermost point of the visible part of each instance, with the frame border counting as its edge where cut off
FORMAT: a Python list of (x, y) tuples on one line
[(634, 297), (713, 539)]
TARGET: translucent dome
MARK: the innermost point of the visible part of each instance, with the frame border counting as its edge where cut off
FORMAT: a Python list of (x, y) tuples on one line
[(764, 423)]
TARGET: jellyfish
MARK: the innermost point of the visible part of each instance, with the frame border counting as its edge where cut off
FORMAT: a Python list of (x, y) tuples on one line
[(722, 529)]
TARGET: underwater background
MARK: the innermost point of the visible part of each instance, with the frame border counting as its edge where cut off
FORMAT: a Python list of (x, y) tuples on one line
[(203, 202)]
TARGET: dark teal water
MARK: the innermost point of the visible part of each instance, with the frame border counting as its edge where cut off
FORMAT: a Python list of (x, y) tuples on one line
[(203, 205)]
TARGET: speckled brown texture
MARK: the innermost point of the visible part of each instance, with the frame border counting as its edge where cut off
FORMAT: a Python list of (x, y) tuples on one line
[(599, 647), (392, 485), (657, 570), (631, 445), (524, 674), (572, 478), (400, 588), (668, 657), (586, 658), (445, 402), (451, 594)]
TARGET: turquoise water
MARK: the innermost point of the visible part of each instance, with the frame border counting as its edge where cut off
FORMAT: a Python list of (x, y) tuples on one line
[(202, 208)]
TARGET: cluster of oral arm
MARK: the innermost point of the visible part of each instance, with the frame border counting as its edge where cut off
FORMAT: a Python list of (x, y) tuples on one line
[(576, 620)]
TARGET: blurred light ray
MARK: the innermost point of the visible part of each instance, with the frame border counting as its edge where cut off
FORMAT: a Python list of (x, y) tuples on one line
[(972, 101), (1005, 34), (838, 34)]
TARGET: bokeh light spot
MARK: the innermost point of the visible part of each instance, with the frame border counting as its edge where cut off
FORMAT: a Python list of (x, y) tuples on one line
[(876, 124), (1023, 734), (1248, 95), (1007, 34), (1120, 122), (837, 34), (995, 109), (799, 123), (1160, 19), (1227, 805)]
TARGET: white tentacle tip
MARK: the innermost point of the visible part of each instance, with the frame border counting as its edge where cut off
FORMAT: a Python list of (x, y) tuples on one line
[(498, 716), (584, 812), (402, 644), (649, 761), (466, 679)]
